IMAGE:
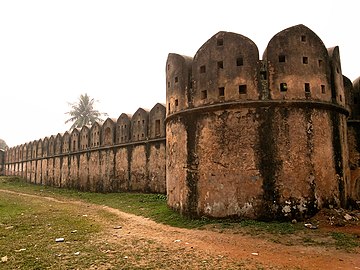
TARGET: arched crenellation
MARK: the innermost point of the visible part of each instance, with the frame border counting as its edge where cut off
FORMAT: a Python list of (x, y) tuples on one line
[(58, 144), (85, 138), (225, 68), (51, 145), (139, 125), (157, 121), (298, 65), (354, 101), (289, 106), (75, 140), (46, 150), (123, 128), (39, 148), (108, 131), (178, 82), (95, 135), (66, 142), (337, 86)]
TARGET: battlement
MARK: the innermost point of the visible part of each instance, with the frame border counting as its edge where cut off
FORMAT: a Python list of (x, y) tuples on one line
[(296, 65), (123, 154), (259, 138), (143, 125)]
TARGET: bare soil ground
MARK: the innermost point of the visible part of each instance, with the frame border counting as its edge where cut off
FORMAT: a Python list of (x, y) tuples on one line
[(177, 248)]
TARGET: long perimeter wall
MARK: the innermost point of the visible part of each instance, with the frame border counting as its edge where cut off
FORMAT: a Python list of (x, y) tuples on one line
[(124, 154)]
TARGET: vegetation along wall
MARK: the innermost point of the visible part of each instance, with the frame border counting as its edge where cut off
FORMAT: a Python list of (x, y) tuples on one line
[(124, 154)]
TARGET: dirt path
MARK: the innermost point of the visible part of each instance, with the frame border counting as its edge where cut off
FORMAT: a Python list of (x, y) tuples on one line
[(227, 247)]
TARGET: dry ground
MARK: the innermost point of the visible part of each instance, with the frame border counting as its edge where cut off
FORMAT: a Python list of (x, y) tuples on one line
[(144, 242)]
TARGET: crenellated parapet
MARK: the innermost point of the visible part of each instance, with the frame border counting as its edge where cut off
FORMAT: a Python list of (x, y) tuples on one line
[(257, 138), (89, 158), (143, 125)]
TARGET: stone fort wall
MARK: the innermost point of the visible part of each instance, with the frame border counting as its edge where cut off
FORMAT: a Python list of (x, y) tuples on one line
[(258, 138), (124, 154), (270, 138)]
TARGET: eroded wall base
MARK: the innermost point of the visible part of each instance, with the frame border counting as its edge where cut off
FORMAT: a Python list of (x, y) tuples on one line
[(265, 162)]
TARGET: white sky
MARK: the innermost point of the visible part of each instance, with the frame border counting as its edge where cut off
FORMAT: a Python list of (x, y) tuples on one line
[(53, 51)]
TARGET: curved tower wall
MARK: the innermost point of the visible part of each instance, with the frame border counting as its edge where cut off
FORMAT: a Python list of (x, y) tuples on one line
[(264, 151), (353, 135), (178, 83)]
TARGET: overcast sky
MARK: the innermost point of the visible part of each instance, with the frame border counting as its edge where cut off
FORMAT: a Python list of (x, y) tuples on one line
[(53, 51)]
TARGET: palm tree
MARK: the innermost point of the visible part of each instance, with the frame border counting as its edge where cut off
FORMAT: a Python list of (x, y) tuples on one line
[(83, 113)]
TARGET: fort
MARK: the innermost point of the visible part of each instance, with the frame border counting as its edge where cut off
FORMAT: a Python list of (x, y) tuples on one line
[(239, 136)]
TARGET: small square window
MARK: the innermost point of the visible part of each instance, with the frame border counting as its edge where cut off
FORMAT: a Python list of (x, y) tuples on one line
[(239, 61), (176, 79), (307, 87), (220, 42), (204, 94), (281, 58), (323, 89), (168, 66), (221, 91), (303, 38), (320, 62), (305, 60), (242, 89), (168, 84), (220, 65), (202, 69), (176, 102), (283, 87), (340, 97)]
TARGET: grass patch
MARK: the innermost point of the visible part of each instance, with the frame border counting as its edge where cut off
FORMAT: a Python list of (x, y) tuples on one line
[(147, 205), (345, 241), (30, 225), (280, 228), (29, 228), (154, 206)]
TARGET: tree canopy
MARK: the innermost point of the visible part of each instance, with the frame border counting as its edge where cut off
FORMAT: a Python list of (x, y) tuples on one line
[(83, 112), (3, 145)]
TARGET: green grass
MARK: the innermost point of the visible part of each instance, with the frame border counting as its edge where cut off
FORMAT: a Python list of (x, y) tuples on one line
[(154, 206), (28, 231), (148, 205), (280, 228), (345, 241)]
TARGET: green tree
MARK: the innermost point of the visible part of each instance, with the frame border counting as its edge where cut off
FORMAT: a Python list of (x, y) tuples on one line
[(3, 145), (83, 112)]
